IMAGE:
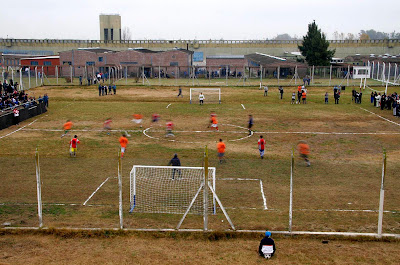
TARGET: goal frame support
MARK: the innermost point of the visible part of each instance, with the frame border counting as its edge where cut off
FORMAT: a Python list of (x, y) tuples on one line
[(201, 89)]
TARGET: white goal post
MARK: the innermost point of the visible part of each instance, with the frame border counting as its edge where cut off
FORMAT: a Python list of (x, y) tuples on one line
[(169, 189), (211, 95)]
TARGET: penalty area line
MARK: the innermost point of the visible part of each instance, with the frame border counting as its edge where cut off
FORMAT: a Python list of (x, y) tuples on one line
[(395, 123), (84, 204)]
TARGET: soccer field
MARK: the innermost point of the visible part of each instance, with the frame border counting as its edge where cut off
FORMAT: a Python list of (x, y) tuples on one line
[(339, 192)]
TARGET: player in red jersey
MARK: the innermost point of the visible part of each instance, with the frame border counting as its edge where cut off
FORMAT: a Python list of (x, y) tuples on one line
[(73, 144), (169, 128), (107, 125), (261, 146)]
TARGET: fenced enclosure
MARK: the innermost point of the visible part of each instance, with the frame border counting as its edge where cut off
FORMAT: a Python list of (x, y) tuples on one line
[(340, 192), (197, 76)]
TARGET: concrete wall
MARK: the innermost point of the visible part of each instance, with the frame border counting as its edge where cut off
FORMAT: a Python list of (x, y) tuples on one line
[(209, 47), (110, 22)]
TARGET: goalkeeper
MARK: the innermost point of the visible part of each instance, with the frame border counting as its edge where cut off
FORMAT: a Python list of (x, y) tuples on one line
[(175, 162)]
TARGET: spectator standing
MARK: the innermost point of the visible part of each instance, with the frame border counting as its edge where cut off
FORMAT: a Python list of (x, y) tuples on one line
[(16, 116), (293, 98), (281, 91), (46, 100), (304, 97), (265, 91), (114, 89), (326, 98)]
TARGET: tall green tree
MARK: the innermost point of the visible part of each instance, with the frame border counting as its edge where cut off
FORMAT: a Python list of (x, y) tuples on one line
[(315, 47)]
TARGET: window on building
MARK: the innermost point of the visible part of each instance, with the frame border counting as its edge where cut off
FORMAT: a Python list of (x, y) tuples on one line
[(67, 63), (90, 63), (34, 63), (100, 59), (173, 63), (105, 34), (112, 34), (47, 63)]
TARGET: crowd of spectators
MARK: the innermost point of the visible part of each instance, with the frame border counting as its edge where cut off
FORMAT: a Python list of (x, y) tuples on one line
[(10, 97), (386, 102)]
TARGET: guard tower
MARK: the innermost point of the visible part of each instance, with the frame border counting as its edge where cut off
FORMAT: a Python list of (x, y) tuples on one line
[(110, 27)]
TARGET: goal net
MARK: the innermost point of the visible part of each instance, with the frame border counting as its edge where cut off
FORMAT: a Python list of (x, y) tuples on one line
[(211, 95), (167, 189)]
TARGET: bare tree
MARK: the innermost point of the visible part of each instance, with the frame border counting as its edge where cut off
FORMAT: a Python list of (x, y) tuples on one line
[(126, 34), (350, 36)]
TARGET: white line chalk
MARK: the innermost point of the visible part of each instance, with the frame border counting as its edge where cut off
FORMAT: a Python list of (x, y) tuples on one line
[(95, 191)]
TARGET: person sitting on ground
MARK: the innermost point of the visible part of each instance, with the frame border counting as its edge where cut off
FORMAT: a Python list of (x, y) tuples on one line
[(267, 246)]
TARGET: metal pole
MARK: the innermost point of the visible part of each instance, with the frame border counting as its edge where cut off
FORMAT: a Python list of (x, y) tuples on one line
[(205, 198), (57, 74), (109, 75), (126, 75), (226, 76), (377, 72), (373, 69), (39, 188), (159, 75), (36, 75), (20, 79), (143, 74), (279, 73), (348, 74), (382, 195), (330, 75), (295, 75), (312, 77), (2, 74), (121, 219), (29, 76), (387, 80), (383, 72), (42, 77), (291, 192), (261, 75)]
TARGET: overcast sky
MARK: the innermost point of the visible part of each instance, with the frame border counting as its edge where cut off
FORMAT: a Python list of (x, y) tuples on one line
[(187, 19)]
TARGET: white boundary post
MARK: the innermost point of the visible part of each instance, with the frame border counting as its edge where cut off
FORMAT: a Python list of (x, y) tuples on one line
[(20, 79), (387, 80), (57, 73), (12, 73), (159, 75), (291, 192), (382, 195), (377, 72), (261, 75), (348, 74), (373, 69), (70, 67), (126, 75), (2, 74), (295, 75), (279, 73), (330, 75), (121, 219), (42, 77), (39, 189), (36, 75), (205, 191), (226, 75)]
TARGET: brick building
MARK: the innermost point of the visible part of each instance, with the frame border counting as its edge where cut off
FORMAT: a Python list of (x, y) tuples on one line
[(47, 63)]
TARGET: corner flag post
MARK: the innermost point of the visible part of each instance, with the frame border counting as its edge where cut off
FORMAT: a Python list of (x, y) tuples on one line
[(291, 191), (205, 198), (121, 220), (382, 195)]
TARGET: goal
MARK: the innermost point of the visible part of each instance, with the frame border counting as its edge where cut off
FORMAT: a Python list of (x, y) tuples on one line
[(211, 95), (168, 189)]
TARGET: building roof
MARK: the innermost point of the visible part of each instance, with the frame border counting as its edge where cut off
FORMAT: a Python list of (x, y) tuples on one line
[(225, 57), (96, 50), (269, 60), (141, 49), (41, 57)]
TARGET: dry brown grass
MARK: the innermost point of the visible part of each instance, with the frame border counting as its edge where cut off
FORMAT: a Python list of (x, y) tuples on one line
[(41, 249)]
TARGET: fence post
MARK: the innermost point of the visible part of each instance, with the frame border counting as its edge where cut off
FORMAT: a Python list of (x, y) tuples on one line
[(382, 195), (291, 192), (121, 219), (39, 188), (29, 77), (205, 191)]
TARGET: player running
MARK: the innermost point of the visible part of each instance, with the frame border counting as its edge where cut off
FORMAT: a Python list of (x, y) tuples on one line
[(169, 128), (261, 146), (155, 118), (250, 124), (213, 121), (221, 151), (107, 125), (73, 146), (304, 151), (67, 127), (123, 141), (137, 118)]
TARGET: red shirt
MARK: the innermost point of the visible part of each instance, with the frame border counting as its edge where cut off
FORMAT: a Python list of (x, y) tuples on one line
[(74, 142), (170, 125), (221, 147), (261, 144)]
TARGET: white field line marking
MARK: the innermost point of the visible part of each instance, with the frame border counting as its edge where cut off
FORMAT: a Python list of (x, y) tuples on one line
[(82, 130), (395, 123), (18, 129), (375, 89), (333, 133), (58, 204), (95, 191), (261, 187), (243, 106), (263, 196), (169, 105)]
